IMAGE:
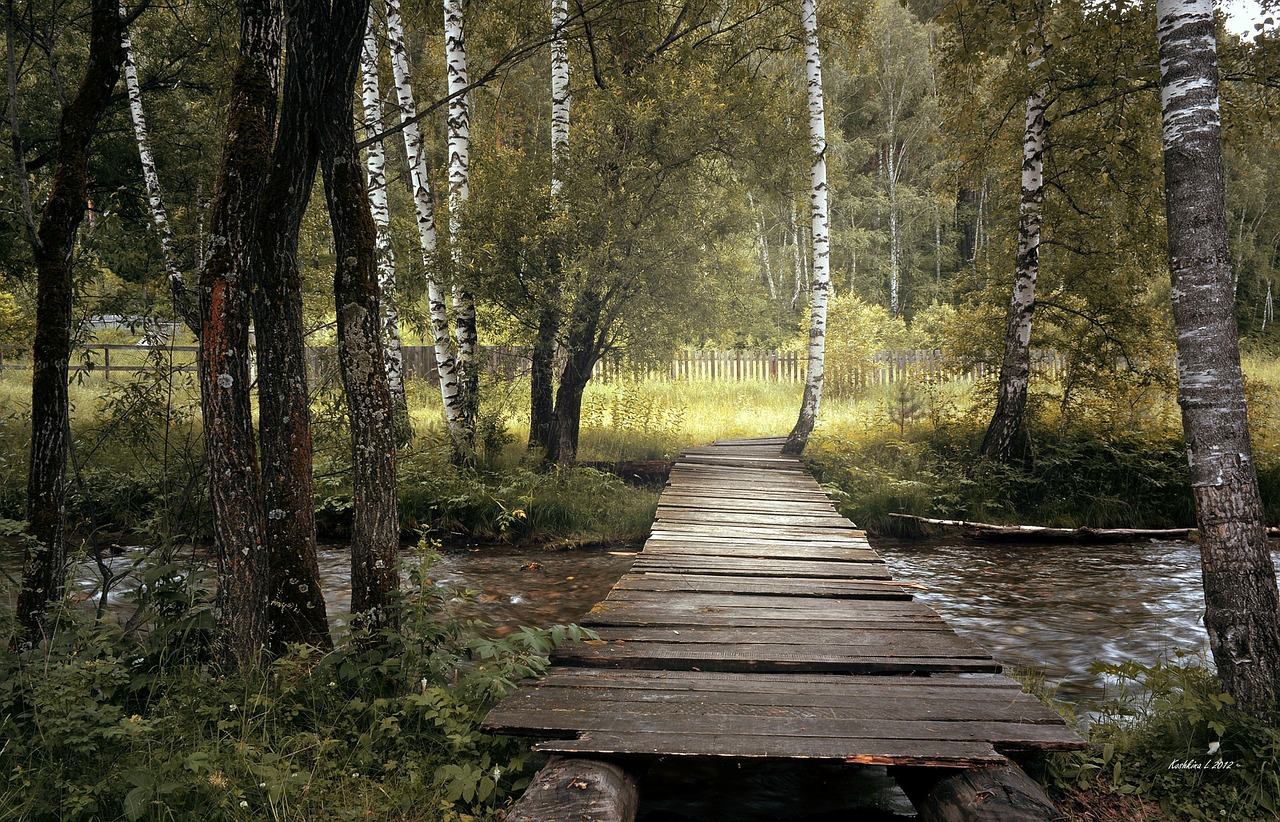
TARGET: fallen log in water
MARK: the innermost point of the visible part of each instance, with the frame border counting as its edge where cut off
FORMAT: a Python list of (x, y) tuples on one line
[(1038, 533), (988, 532)]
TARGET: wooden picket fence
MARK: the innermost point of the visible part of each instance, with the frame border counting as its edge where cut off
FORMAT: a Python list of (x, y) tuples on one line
[(507, 363)]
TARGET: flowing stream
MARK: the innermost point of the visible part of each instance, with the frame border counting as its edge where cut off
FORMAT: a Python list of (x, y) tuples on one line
[(1056, 608)]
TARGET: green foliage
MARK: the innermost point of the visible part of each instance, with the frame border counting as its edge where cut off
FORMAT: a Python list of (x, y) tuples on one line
[(1168, 734), (1077, 480), (99, 724)]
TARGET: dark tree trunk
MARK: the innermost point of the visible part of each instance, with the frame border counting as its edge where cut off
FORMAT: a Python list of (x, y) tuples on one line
[(966, 223), (583, 350), (297, 613), (225, 283), (375, 536), (542, 379), (1242, 614), (43, 567)]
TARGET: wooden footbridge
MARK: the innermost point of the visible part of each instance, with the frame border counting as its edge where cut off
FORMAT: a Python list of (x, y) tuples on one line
[(758, 623)]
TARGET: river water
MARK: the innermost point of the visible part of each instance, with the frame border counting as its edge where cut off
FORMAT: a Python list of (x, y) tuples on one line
[(1056, 608), (1052, 607)]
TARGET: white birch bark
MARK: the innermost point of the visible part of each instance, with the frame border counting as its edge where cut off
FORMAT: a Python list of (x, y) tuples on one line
[(895, 253), (424, 210), (561, 98), (1242, 614), (375, 167), (821, 282), (459, 147), (155, 195), (1015, 368)]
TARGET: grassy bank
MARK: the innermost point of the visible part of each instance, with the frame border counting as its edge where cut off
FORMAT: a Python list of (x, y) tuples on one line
[(1090, 457)]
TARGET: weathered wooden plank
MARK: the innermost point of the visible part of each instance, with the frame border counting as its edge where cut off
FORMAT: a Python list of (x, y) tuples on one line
[(863, 641), (666, 582), (1002, 735), (549, 713), (764, 658), (725, 603), (821, 523), (998, 685), (848, 552), (658, 561), (838, 537), (853, 751)]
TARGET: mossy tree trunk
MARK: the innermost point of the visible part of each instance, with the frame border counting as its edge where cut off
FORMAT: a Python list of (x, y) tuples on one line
[(297, 610), (224, 295), (44, 562)]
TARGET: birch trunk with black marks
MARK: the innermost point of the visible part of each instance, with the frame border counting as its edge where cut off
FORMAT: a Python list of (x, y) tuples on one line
[(225, 283), (542, 357), (182, 301), (895, 242), (1015, 368), (375, 162), (297, 611), (820, 285), (375, 532), (1242, 615), (424, 210), (459, 147), (44, 562)]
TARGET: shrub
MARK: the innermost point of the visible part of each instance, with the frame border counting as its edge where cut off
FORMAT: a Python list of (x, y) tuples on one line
[(102, 724)]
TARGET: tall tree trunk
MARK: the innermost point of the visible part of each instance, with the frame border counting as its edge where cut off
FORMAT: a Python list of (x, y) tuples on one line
[(424, 209), (583, 346), (375, 166), (821, 282), (1242, 615), (895, 242), (375, 533), (297, 611), (459, 139), (225, 283), (44, 563), (182, 301), (542, 357), (1015, 369)]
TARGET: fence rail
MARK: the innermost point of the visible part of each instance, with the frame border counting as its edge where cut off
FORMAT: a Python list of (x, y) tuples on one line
[(880, 368)]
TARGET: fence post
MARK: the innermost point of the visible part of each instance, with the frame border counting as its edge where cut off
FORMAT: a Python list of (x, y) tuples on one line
[(106, 363)]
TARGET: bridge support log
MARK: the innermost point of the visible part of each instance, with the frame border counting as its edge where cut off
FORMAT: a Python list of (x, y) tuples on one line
[(998, 794), (582, 790)]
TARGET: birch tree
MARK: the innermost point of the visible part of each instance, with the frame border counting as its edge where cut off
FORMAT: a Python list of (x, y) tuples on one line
[(155, 194), (424, 211), (542, 357), (459, 148), (53, 243), (1015, 369), (1242, 615), (820, 283), (375, 167)]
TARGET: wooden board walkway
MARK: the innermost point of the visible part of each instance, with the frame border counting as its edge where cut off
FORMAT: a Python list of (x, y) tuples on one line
[(758, 623)]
